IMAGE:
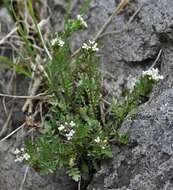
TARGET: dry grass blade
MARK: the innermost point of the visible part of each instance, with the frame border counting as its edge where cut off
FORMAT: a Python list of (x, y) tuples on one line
[(8, 35), (24, 178), (5, 126), (157, 59), (36, 97), (12, 133), (125, 28), (118, 9)]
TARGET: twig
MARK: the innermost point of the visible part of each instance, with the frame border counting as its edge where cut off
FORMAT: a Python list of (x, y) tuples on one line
[(157, 59), (79, 184), (4, 106), (37, 97), (5, 126), (107, 73), (24, 178), (12, 133), (42, 40), (105, 101), (39, 25), (133, 16), (41, 112), (34, 84), (43, 43), (125, 27), (8, 35), (118, 9), (28, 102)]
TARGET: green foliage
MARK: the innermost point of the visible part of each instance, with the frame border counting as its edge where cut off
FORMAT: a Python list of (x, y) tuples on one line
[(26, 54), (85, 7), (78, 129), (133, 99), (73, 133), (7, 63)]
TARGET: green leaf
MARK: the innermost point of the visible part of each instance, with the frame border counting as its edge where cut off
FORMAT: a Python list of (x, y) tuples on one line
[(85, 7), (85, 170), (7, 63), (74, 173), (108, 153)]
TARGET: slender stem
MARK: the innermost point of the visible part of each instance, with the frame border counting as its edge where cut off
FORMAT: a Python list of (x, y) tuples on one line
[(43, 43), (9, 135), (79, 184), (37, 97), (24, 178), (117, 10)]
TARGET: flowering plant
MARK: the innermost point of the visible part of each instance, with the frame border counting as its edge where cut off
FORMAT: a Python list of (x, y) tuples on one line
[(73, 135), (77, 126), (78, 131), (138, 89)]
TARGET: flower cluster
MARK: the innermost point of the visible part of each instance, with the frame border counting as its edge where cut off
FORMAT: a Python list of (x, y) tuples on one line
[(131, 83), (21, 155), (91, 45), (72, 162), (68, 129), (81, 20), (70, 134), (57, 41), (97, 140), (153, 74), (103, 143)]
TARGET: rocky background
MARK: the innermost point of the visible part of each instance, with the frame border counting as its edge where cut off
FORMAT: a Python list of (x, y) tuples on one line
[(130, 44)]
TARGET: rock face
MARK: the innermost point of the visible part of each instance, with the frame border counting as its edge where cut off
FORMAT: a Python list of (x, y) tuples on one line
[(147, 163)]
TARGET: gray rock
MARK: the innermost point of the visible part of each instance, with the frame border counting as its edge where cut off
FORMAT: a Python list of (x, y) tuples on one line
[(158, 16), (147, 163)]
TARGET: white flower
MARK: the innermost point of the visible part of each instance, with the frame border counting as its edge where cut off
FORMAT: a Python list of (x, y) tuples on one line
[(97, 140), (91, 45), (80, 83), (103, 147), (80, 18), (19, 159), (17, 151), (57, 41), (70, 135), (61, 128), (50, 170), (72, 162), (26, 156), (132, 83), (53, 41), (72, 124), (94, 47), (60, 42), (153, 74), (21, 155), (85, 46)]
